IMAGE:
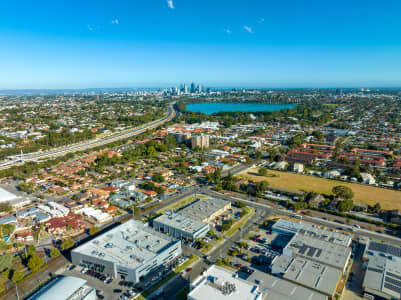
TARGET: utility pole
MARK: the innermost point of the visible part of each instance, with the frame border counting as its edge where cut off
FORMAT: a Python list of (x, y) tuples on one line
[(16, 288)]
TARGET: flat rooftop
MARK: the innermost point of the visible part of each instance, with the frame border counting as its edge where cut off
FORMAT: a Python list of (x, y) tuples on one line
[(203, 208), (278, 289), (181, 222), (6, 196), (287, 226), (318, 250), (383, 273), (217, 283), (63, 288), (325, 234), (130, 244), (308, 229), (376, 248), (316, 276)]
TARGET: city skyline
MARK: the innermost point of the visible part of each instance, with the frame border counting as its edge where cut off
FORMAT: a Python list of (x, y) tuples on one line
[(74, 45)]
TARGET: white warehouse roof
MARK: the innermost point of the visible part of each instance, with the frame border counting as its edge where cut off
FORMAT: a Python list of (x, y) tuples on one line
[(6, 196)]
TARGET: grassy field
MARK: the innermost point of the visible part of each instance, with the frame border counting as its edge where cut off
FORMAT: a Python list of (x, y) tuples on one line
[(388, 199), (181, 203)]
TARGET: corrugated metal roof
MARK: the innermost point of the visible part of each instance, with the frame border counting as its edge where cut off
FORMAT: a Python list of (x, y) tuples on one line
[(61, 288)]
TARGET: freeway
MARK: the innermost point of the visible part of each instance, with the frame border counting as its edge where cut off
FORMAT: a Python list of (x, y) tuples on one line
[(36, 156)]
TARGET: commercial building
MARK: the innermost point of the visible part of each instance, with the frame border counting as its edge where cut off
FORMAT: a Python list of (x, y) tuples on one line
[(383, 270), (180, 226), (318, 250), (218, 284), (316, 276), (130, 251), (205, 210), (65, 288), (274, 288), (14, 200), (6, 196), (290, 228), (202, 141)]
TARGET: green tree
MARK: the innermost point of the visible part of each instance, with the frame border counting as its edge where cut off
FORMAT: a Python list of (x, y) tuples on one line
[(151, 151), (343, 192), (258, 155), (93, 230), (31, 250), (67, 244), (6, 230), (35, 262), (345, 205), (262, 172), (157, 177), (6, 261), (54, 253), (17, 275)]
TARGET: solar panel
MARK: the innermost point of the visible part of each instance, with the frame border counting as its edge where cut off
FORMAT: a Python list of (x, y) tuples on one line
[(393, 281), (311, 251), (393, 288), (393, 275), (375, 270), (303, 249), (395, 251)]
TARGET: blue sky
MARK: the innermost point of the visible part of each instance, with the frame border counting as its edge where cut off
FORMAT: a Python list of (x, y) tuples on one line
[(226, 43)]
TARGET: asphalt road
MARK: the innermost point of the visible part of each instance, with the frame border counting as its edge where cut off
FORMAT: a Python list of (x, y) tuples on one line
[(358, 233)]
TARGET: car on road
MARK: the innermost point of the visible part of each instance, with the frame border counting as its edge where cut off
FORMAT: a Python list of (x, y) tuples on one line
[(238, 265), (117, 291)]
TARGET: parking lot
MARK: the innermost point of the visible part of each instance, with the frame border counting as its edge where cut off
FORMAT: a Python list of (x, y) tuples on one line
[(256, 255), (118, 289)]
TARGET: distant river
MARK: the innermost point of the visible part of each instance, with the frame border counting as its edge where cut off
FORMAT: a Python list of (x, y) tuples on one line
[(215, 107)]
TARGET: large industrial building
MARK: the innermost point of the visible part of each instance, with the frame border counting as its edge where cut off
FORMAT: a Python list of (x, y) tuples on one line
[(205, 210), (315, 257), (331, 235), (180, 226), (316, 276), (383, 271), (129, 251), (65, 288), (218, 284), (320, 251)]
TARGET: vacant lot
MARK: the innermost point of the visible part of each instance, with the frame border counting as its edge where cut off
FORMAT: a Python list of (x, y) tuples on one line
[(388, 199)]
